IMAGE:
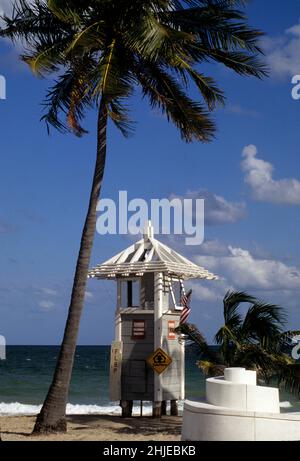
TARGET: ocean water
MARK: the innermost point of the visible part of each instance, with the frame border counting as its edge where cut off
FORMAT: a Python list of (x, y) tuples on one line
[(26, 375)]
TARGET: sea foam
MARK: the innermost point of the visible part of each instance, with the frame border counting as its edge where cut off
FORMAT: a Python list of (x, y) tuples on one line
[(17, 408), (285, 404)]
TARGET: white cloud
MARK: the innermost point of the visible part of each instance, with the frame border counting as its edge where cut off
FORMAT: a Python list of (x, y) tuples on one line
[(5, 6), (49, 291), (46, 305), (205, 292), (239, 110), (217, 209), (283, 53), (256, 272), (268, 279), (213, 247), (241, 270), (88, 296), (259, 176)]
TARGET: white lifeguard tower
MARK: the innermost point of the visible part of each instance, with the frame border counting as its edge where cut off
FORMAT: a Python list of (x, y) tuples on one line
[(147, 359)]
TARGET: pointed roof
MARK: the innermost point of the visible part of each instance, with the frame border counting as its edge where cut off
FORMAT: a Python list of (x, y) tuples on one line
[(149, 255)]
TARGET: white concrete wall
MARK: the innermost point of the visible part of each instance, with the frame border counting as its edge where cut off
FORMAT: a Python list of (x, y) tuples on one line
[(240, 375), (237, 409), (238, 390), (264, 399), (204, 422), (223, 394)]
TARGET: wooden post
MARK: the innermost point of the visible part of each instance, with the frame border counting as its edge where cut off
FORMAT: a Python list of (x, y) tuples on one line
[(118, 323), (163, 408), (126, 408), (158, 291), (115, 371), (156, 411), (174, 408), (182, 370)]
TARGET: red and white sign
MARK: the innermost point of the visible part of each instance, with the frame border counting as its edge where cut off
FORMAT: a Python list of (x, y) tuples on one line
[(138, 329), (171, 328)]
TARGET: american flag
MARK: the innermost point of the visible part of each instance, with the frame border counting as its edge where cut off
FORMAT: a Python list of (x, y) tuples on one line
[(185, 301)]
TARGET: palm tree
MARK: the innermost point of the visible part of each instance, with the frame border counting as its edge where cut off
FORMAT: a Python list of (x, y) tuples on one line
[(99, 52), (255, 341)]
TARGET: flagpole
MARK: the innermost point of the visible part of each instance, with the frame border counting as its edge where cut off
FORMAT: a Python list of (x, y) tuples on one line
[(158, 283)]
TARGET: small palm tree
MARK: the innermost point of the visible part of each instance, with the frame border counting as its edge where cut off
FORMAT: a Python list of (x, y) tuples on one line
[(255, 341), (100, 51)]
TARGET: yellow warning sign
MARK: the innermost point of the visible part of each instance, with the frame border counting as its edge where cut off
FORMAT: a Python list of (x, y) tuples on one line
[(159, 360)]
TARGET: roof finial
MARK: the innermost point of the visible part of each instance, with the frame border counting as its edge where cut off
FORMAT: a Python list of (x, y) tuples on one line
[(148, 231)]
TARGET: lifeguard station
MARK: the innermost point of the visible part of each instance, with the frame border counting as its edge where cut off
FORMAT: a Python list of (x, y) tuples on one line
[(147, 359)]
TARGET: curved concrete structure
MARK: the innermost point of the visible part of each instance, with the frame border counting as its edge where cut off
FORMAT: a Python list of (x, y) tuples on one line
[(240, 375), (237, 409)]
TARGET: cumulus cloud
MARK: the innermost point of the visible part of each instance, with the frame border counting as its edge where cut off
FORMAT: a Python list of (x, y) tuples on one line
[(217, 209), (283, 53), (206, 293), (268, 279), (259, 176), (46, 305), (241, 270), (257, 272), (213, 247)]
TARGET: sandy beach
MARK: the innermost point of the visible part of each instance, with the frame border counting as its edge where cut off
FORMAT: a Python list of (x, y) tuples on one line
[(96, 428)]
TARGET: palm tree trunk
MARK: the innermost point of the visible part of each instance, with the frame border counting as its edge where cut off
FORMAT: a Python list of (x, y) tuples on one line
[(52, 417)]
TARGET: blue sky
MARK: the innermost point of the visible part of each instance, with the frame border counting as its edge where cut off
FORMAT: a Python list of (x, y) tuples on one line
[(254, 242)]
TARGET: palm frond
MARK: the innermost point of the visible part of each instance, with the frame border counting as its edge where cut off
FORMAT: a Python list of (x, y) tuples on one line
[(119, 115), (207, 87), (231, 304), (216, 26), (196, 337), (115, 79), (66, 101), (68, 11), (210, 368), (263, 321), (32, 22), (241, 63), (166, 94), (91, 37), (156, 45), (283, 341), (47, 58), (288, 377)]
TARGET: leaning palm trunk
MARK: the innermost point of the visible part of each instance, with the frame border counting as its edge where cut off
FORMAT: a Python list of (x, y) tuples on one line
[(52, 416)]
